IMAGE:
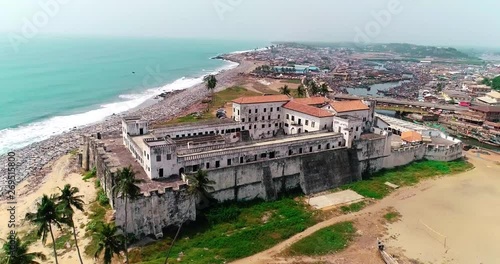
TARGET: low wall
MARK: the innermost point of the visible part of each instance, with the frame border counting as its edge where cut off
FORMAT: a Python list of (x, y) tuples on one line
[(404, 156)]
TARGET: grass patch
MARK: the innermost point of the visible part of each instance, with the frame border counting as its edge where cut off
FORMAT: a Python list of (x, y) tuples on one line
[(102, 198), (219, 100), (61, 241), (354, 207), (374, 187), (231, 231), (392, 216), (292, 81), (96, 219), (29, 237), (90, 174), (324, 241)]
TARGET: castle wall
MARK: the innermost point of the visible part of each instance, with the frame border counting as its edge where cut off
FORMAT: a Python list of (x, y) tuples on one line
[(151, 211), (404, 156), (312, 172)]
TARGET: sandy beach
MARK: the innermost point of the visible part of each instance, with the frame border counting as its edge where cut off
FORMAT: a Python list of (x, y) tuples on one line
[(63, 172)]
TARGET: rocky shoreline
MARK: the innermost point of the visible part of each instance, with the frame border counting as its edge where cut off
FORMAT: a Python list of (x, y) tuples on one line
[(32, 160)]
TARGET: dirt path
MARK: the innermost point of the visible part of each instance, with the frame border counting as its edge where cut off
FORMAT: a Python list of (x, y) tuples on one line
[(399, 199), (268, 256)]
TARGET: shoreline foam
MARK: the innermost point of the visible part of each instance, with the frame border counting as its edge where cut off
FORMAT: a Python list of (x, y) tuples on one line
[(37, 131), (31, 160)]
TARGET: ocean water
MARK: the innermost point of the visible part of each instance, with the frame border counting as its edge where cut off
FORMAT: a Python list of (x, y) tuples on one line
[(52, 84)]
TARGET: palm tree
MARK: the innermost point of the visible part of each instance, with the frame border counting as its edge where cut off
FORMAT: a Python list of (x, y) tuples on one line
[(16, 252), (47, 214), (323, 88), (285, 90), (210, 82), (110, 241), (126, 186), (200, 187), (301, 91), (314, 88), (67, 200)]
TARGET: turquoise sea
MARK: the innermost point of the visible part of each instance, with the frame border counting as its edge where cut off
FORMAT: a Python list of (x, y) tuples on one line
[(52, 84)]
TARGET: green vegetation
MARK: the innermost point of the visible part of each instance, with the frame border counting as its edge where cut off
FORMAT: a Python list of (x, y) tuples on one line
[(231, 231), (325, 241), (285, 90), (493, 83), (219, 100), (102, 198), (62, 240), (354, 207), (90, 174), (392, 216), (374, 186), (30, 237), (95, 224), (14, 251), (47, 214)]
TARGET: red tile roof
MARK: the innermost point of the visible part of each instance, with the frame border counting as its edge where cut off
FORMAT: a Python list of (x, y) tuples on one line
[(262, 99), (317, 100), (411, 136), (348, 106), (306, 109)]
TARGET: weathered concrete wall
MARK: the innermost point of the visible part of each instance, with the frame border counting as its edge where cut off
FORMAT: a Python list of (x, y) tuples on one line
[(151, 212), (404, 156), (312, 172), (371, 154)]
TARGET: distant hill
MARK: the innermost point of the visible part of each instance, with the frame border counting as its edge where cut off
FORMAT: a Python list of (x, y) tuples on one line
[(404, 49)]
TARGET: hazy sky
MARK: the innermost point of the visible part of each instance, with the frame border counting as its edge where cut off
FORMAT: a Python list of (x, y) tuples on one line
[(437, 22)]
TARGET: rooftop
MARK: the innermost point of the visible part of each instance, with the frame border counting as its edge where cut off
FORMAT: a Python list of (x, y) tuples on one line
[(411, 136), (493, 94), (262, 99), (348, 106), (401, 123), (306, 109), (317, 100), (486, 108), (119, 155), (265, 144)]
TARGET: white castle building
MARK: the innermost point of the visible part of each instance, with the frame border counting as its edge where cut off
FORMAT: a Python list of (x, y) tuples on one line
[(270, 144), (248, 135)]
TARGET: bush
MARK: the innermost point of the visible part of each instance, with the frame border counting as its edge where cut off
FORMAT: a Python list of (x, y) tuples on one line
[(102, 198), (90, 174), (223, 214)]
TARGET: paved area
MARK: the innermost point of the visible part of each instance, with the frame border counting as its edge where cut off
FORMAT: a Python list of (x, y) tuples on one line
[(333, 199)]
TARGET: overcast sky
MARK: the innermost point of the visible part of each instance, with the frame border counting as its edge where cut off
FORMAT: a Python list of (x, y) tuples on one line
[(436, 22)]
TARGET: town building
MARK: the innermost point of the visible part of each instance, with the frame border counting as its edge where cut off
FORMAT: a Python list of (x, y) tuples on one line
[(492, 98), (486, 113)]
